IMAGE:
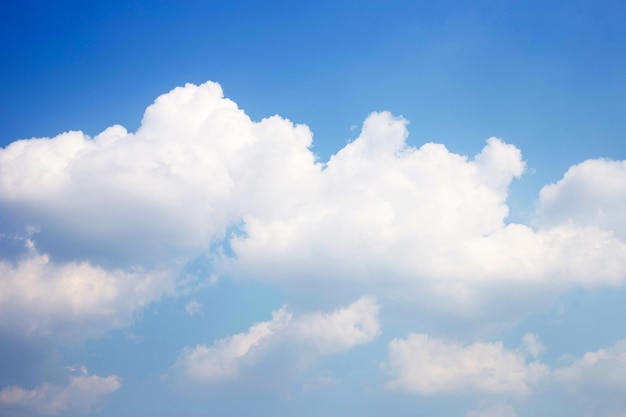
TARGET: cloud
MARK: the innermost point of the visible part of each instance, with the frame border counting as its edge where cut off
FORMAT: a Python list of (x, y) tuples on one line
[(424, 224), (341, 330), (592, 193), (193, 308), (222, 360), (71, 301), (164, 193), (596, 381), (418, 225), (307, 337), (601, 371), (79, 395), (422, 365), (531, 345), (427, 366)]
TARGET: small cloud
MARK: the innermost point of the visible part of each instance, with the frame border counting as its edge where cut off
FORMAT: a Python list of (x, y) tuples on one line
[(193, 308), (531, 345), (427, 366)]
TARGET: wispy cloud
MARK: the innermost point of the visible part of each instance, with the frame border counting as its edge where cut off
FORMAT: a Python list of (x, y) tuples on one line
[(304, 337), (80, 394)]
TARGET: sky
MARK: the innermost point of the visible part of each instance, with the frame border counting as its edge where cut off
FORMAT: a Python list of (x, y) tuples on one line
[(313, 208)]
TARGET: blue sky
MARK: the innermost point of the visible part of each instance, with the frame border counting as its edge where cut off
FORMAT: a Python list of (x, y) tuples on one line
[(332, 208)]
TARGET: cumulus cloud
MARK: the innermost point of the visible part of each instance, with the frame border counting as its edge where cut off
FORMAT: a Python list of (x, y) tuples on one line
[(311, 335), (424, 365), (596, 382), (72, 300), (163, 193), (200, 178), (592, 193), (79, 395), (601, 371), (427, 223)]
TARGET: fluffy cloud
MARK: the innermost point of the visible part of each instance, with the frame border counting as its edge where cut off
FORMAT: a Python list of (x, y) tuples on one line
[(164, 193), (71, 300), (596, 382), (592, 193), (602, 371), (111, 213), (424, 365), (79, 395), (427, 224), (422, 225), (222, 360), (311, 335)]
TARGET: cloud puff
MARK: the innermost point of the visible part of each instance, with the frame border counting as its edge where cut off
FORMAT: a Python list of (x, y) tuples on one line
[(71, 301), (602, 371), (596, 381), (79, 395), (311, 335), (193, 308), (531, 345), (164, 193), (592, 193), (424, 365)]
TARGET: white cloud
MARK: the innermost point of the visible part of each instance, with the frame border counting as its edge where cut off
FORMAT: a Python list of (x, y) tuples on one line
[(426, 366), (80, 394), (310, 335), (601, 371), (592, 193), (421, 225), (222, 360), (193, 308), (163, 193), (340, 330), (596, 382), (531, 345), (71, 300), (427, 224)]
